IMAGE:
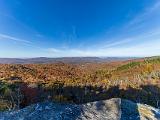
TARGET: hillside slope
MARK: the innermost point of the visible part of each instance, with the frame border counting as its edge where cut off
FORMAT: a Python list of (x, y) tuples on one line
[(113, 109)]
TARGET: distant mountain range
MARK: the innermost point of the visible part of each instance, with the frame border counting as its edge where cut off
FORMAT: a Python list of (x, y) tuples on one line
[(41, 60)]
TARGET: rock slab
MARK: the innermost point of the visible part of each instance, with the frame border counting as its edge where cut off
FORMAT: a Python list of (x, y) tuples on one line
[(113, 109)]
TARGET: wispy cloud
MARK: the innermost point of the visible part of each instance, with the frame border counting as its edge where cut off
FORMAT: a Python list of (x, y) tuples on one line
[(53, 50), (8, 37), (146, 13), (146, 44), (146, 36), (136, 30), (22, 41), (141, 36)]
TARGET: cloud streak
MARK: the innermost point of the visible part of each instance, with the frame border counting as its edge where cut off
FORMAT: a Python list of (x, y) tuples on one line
[(147, 12), (146, 44), (8, 37), (22, 41)]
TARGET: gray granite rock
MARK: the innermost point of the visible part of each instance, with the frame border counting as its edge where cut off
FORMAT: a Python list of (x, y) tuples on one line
[(113, 109)]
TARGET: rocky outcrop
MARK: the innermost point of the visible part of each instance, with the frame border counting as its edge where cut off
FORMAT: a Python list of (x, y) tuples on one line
[(113, 109)]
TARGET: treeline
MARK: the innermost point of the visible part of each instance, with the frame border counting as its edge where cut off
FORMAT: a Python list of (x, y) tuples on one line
[(20, 95)]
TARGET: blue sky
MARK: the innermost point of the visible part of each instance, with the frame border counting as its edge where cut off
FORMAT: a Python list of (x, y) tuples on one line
[(65, 28)]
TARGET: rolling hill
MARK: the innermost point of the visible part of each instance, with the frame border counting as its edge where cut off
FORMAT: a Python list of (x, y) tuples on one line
[(42, 60)]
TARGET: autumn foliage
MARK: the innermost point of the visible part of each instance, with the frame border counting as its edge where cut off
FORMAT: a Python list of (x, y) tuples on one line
[(25, 84)]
